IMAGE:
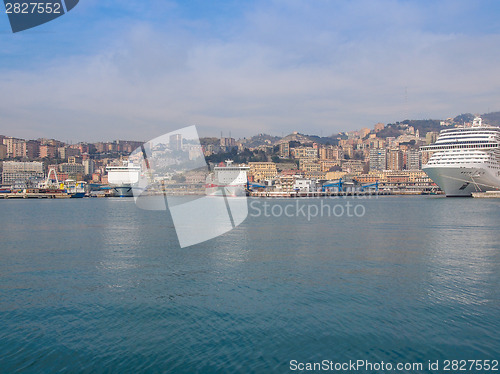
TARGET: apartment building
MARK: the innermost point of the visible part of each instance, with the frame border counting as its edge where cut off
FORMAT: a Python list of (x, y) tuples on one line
[(21, 171), (260, 171)]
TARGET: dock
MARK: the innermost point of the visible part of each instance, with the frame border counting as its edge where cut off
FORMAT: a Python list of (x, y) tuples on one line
[(34, 195), (487, 195), (295, 194)]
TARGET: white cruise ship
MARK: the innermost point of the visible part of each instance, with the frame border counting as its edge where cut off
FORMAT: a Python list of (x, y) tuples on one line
[(122, 177), (227, 180), (465, 159)]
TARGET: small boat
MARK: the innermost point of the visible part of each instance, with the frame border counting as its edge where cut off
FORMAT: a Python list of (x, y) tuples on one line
[(76, 189)]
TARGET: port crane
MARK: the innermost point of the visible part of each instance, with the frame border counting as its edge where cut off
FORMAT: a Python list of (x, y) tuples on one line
[(363, 186), (51, 182), (339, 184), (251, 185)]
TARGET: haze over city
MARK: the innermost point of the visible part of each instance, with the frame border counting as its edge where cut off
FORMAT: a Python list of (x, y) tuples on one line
[(136, 70)]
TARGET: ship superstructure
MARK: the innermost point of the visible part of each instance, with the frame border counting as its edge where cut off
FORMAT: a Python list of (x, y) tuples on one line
[(465, 159), (123, 177), (227, 180)]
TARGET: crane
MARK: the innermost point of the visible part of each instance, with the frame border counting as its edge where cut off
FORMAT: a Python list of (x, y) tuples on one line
[(338, 184), (251, 185), (363, 186)]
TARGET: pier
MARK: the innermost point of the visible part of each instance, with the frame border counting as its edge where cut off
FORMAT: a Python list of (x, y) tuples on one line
[(34, 195), (487, 195), (294, 194)]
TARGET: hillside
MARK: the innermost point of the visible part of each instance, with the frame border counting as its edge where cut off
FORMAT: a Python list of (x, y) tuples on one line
[(260, 139), (492, 118), (307, 139)]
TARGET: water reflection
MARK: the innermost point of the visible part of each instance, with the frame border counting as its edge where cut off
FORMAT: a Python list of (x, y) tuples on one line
[(464, 254)]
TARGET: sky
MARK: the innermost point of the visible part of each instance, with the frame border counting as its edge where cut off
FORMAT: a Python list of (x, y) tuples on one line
[(134, 70)]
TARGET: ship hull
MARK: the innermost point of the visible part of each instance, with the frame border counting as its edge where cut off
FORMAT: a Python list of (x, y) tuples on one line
[(77, 195), (225, 190), (123, 191), (463, 181)]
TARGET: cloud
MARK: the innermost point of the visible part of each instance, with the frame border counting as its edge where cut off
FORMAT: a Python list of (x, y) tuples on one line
[(276, 67)]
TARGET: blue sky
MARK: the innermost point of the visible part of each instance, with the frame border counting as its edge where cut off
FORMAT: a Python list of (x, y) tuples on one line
[(135, 70)]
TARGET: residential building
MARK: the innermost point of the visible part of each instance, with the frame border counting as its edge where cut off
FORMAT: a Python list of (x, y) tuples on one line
[(413, 159), (368, 178), (285, 149), (67, 152), (394, 159), (378, 159), (260, 171), (315, 175), (75, 160), (21, 171), (431, 137), (425, 155), (353, 166), (374, 142), (15, 147), (88, 166), (331, 153), (334, 175), (47, 151), (31, 149), (286, 179), (71, 169), (305, 152), (3, 151), (307, 165), (348, 150), (391, 142), (326, 165)]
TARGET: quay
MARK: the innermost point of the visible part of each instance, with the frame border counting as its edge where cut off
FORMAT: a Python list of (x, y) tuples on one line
[(34, 195), (487, 195), (293, 194)]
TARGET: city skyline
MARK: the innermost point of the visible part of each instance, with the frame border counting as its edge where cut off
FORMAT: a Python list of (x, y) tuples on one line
[(133, 71), (221, 135)]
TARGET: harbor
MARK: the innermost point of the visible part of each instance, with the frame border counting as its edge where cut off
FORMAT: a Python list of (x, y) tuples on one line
[(486, 195), (303, 194), (35, 194), (97, 268), (250, 187)]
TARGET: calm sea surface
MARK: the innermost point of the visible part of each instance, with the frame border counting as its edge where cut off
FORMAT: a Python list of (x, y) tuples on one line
[(98, 285)]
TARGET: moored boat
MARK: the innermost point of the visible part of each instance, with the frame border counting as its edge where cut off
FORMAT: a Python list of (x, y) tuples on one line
[(465, 159)]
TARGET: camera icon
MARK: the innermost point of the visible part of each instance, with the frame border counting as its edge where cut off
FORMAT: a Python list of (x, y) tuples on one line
[(171, 172)]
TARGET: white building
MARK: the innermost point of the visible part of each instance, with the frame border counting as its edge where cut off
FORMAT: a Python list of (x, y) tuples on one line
[(304, 185), (414, 159), (378, 159), (21, 171), (89, 166)]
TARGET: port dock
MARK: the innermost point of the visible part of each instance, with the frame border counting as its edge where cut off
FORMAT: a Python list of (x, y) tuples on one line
[(487, 195), (295, 194), (34, 195)]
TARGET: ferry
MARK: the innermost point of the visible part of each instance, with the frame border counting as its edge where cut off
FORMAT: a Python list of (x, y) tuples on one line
[(465, 160), (76, 189), (227, 180), (122, 177)]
